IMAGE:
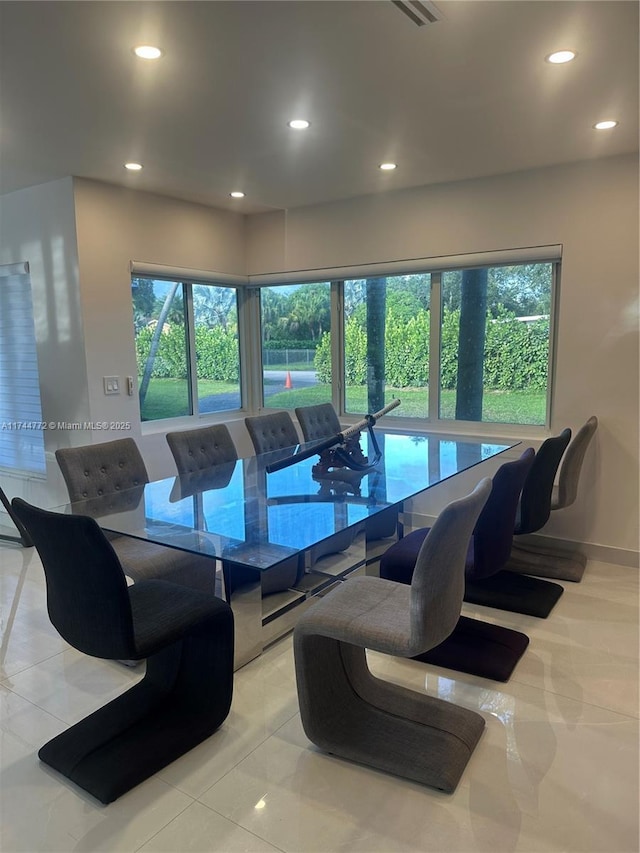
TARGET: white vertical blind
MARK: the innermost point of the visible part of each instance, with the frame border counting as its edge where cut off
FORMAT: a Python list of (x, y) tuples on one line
[(21, 430)]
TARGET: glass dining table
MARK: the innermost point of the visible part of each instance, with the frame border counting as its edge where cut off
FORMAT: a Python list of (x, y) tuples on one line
[(279, 536)]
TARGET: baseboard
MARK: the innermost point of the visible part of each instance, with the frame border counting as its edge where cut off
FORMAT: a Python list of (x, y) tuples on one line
[(593, 551)]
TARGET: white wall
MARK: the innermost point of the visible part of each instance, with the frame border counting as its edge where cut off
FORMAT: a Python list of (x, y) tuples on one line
[(591, 209), (38, 225), (116, 226), (79, 237)]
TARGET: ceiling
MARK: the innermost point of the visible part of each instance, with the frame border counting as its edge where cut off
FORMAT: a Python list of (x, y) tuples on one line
[(467, 96)]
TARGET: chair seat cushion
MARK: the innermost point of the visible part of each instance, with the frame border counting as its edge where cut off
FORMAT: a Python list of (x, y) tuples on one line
[(142, 560), (163, 612), (516, 593), (364, 611), (479, 648), (398, 561)]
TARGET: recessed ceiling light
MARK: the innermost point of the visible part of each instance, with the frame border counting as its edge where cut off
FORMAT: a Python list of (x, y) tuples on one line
[(147, 51), (387, 167), (605, 125), (133, 167), (561, 56), (299, 124), (236, 194)]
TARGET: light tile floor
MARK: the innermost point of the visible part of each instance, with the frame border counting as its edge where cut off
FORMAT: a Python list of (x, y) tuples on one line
[(555, 770)]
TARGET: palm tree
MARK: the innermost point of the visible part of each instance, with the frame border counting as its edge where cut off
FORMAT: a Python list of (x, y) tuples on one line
[(376, 289)]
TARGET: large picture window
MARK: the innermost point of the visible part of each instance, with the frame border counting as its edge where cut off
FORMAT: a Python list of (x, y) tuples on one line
[(459, 342), (296, 345), (494, 344), (187, 349), (386, 343)]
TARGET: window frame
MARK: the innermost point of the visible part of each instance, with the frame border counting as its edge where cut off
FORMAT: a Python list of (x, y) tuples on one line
[(194, 416), (248, 290), (433, 420)]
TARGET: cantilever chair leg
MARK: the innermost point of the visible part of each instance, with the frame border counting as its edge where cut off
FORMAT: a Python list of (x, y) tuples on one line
[(349, 712), (547, 562), (183, 698)]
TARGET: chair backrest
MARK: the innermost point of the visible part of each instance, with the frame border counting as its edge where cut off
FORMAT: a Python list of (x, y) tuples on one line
[(216, 477), (87, 595), (272, 432), (319, 421), (100, 469), (437, 585), (493, 534), (201, 449), (572, 464), (535, 502)]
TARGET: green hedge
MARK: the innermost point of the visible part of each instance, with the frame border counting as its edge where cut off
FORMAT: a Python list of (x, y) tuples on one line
[(217, 353), (289, 344), (516, 353)]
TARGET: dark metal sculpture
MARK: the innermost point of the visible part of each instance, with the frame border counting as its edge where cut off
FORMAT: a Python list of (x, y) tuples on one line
[(341, 450)]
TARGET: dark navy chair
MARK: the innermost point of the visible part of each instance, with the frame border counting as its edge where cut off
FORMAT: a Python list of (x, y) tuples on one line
[(185, 635), (508, 590), (476, 647)]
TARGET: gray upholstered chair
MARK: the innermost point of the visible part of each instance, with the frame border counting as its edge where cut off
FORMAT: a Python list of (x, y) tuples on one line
[(110, 473), (201, 449), (320, 421), (566, 491), (272, 432), (548, 562), (347, 711)]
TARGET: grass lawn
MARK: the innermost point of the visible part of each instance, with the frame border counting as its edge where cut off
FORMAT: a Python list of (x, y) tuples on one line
[(513, 407), (167, 398)]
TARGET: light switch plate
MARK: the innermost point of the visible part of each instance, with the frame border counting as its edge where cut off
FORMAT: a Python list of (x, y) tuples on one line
[(111, 384)]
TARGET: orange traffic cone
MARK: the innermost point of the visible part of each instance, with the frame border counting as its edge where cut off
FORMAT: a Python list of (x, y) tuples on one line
[(287, 382)]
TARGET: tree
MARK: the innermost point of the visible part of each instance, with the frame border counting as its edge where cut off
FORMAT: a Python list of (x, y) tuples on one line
[(155, 341), (310, 311), (523, 289), (273, 307), (473, 311), (376, 290), (214, 306), (144, 301)]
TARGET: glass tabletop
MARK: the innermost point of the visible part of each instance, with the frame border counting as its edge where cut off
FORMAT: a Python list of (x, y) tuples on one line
[(248, 514)]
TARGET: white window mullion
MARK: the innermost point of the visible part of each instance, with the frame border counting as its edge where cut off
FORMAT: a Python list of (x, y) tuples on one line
[(250, 335), (192, 356)]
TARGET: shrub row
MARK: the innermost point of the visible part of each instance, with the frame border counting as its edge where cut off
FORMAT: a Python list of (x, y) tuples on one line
[(516, 353), (289, 344), (216, 353)]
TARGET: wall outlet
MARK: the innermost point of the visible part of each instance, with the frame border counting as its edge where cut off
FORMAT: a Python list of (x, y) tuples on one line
[(111, 384), (130, 386)]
